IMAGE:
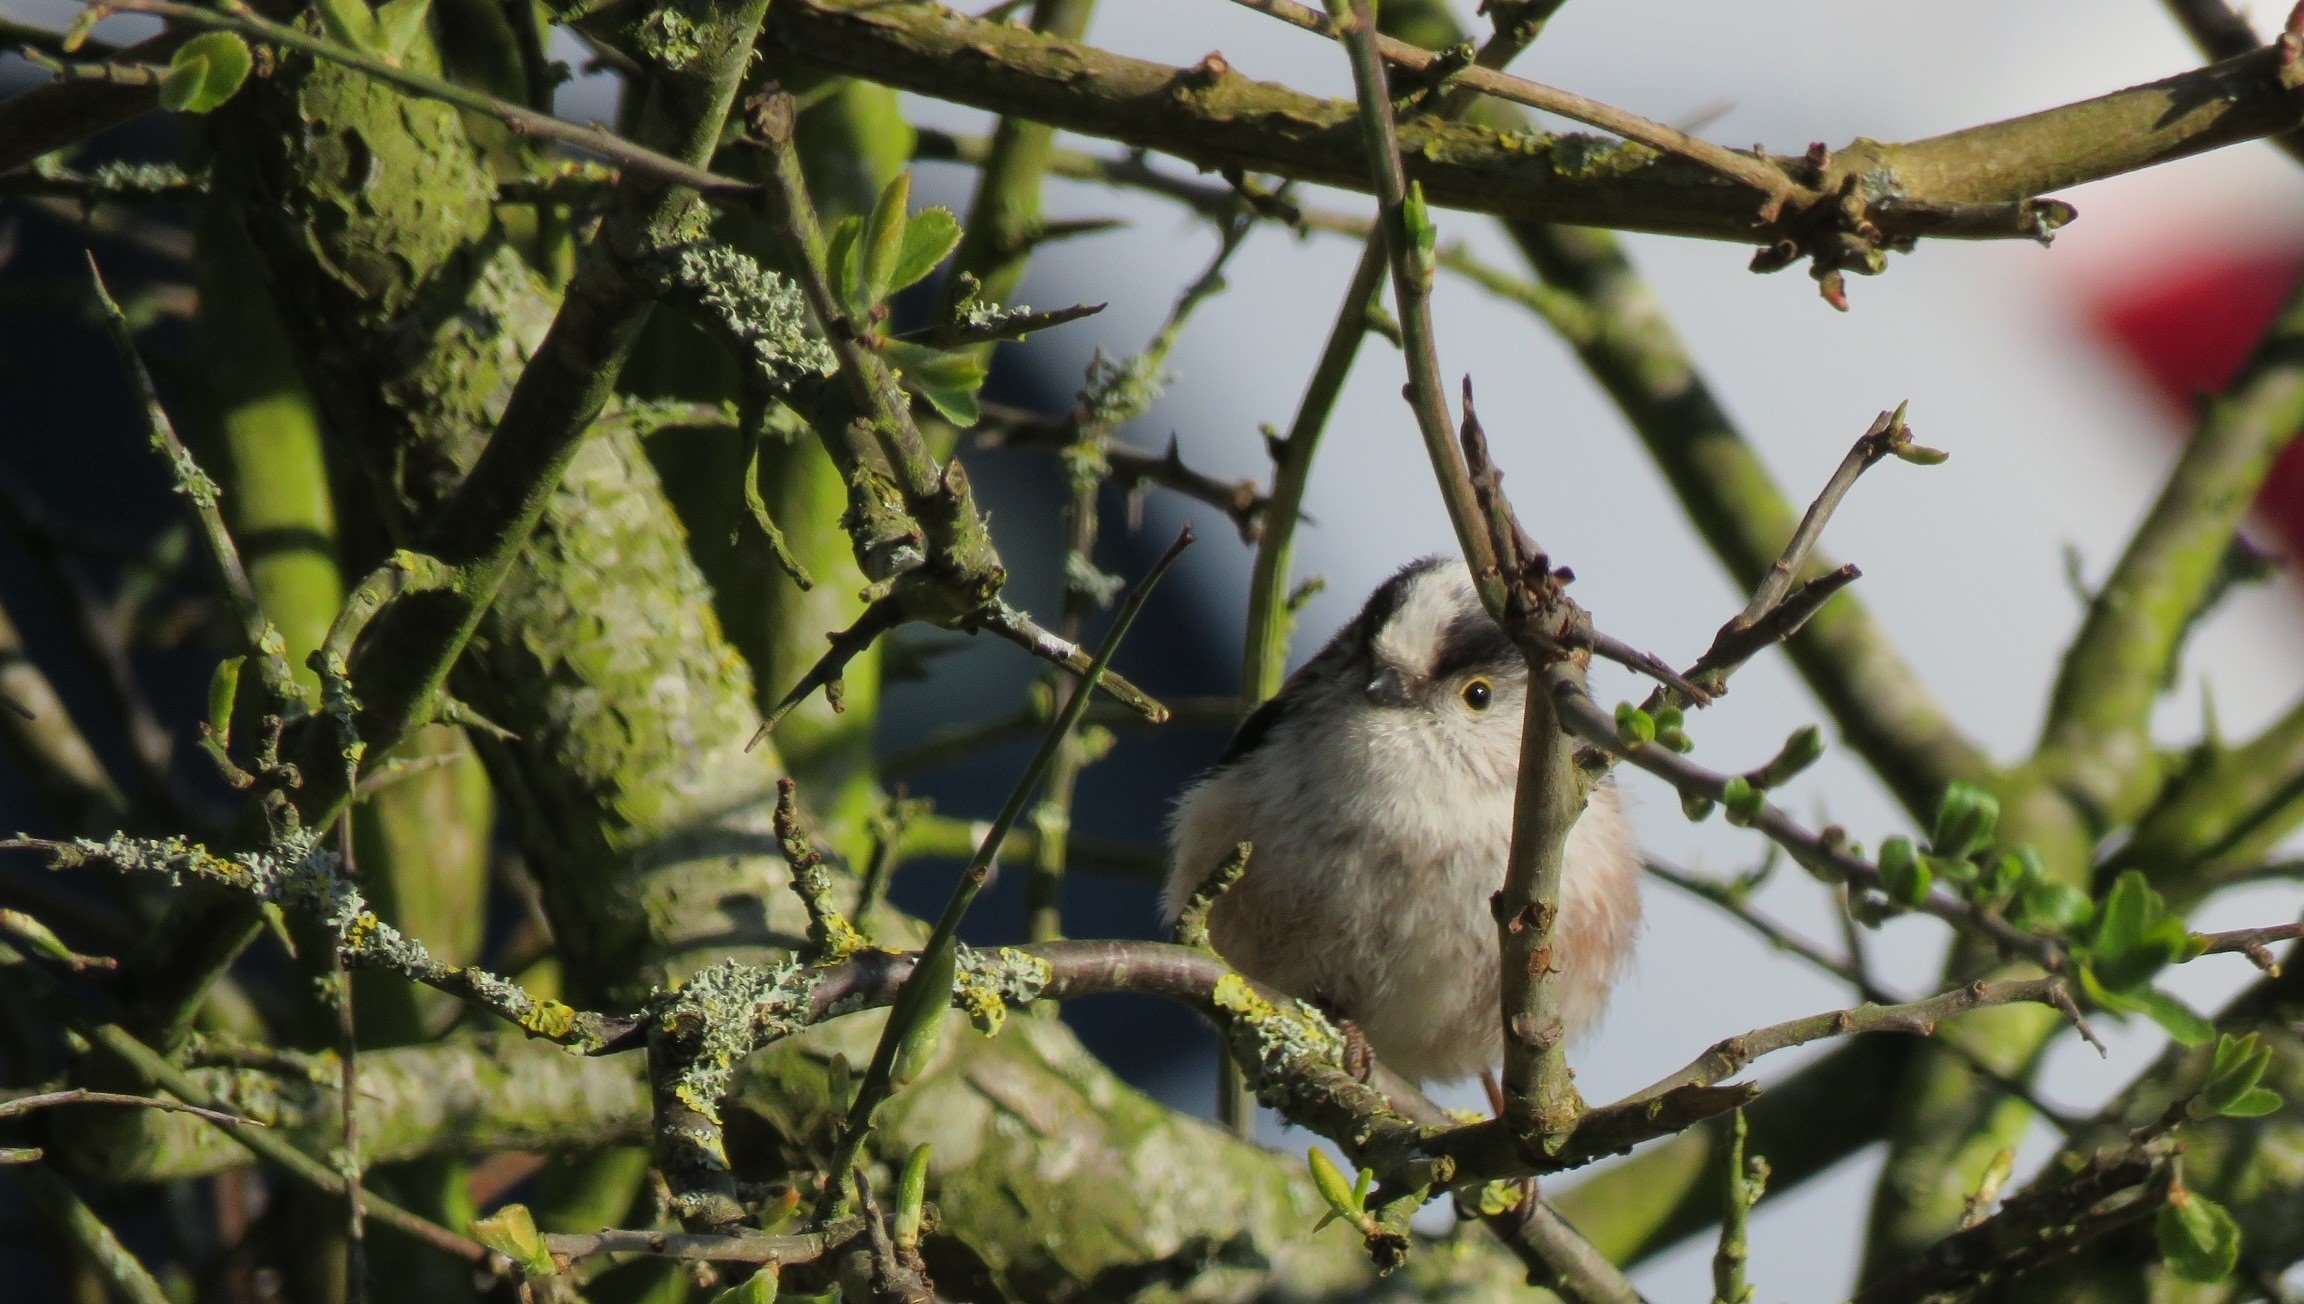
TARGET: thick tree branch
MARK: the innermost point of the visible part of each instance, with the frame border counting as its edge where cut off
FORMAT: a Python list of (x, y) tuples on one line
[(2221, 814), (2094, 744), (1974, 183)]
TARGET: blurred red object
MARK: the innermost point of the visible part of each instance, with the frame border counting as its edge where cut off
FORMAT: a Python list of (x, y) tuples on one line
[(2189, 328)]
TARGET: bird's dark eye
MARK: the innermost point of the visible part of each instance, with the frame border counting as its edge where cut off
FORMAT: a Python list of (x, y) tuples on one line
[(1478, 694)]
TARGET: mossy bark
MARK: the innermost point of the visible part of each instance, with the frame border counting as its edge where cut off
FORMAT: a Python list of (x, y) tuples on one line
[(645, 821)]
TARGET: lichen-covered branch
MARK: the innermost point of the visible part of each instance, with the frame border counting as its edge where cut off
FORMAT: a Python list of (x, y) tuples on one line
[(2094, 744), (309, 879)]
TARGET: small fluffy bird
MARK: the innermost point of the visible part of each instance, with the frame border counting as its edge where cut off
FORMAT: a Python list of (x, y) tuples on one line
[(1377, 788)]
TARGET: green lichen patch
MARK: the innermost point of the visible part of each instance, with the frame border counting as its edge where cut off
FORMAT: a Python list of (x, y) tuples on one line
[(1587, 158)]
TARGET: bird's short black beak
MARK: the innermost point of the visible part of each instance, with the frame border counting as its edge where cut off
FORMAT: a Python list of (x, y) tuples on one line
[(1388, 688)]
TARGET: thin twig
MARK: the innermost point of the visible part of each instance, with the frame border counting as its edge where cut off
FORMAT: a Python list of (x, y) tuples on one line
[(1517, 587), (2255, 943), (703, 1247), (2114, 1190), (1853, 971), (1583, 717), (914, 1005), (1776, 188), (1746, 1179), (1732, 901), (16, 1106), (259, 637), (635, 158), (103, 1251), (1020, 629), (348, 1092), (1728, 1057), (1887, 435), (1128, 468)]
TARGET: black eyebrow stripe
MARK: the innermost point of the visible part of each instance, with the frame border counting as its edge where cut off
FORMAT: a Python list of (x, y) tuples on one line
[(1473, 641)]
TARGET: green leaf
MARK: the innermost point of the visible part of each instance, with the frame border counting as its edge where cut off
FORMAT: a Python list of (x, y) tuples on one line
[(1697, 807), (1965, 820), (1742, 800), (1329, 1181), (204, 73), (398, 24), (1800, 751), (1423, 237), (2233, 1076), (929, 239), (223, 691), (2198, 1239), (924, 1013), (511, 1232), (276, 923), (2255, 1102), (2135, 937), (349, 22), (2174, 1016), (1903, 873), (759, 1288), (841, 261), (911, 1196), (883, 243), (1500, 1197), (1634, 725), (948, 381), (2060, 907)]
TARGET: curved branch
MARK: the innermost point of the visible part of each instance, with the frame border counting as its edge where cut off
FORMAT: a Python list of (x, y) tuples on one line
[(1976, 183), (2096, 743)]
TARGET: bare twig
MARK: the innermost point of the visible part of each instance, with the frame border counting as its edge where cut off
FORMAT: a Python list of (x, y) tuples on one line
[(914, 1004), (847, 644), (1020, 629), (1732, 901), (113, 1261), (17, 1106), (259, 637), (1888, 434), (2255, 943), (1852, 971), (1774, 186), (1726, 1058), (634, 158), (1746, 1180), (1130, 468)]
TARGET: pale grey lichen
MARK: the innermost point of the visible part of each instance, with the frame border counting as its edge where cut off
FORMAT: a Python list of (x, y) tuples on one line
[(191, 481), (1284, 1038), (1117, 393), (1018, 977), (979, 317), (308, 878), (763, 314), (724, 1013)]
